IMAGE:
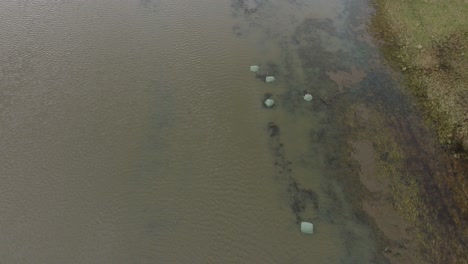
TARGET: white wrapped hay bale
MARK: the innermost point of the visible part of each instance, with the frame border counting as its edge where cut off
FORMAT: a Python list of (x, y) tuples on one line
[(308, 97), (307, 228), (269, 79), (254, 68), (269, 102)]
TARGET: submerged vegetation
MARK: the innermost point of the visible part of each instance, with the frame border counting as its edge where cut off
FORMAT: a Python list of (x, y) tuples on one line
[(366, 133), (426, 40)]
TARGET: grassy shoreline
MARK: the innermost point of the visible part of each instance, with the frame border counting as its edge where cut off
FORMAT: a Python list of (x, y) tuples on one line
[(426, 40)]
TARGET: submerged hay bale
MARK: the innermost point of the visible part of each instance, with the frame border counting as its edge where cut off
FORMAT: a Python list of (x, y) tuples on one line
[(307, 228), (269, 102), (254, 68), (269, 79), (308, 97)]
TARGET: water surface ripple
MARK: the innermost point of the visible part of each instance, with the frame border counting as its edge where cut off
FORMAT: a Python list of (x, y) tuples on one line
[(134, 132)]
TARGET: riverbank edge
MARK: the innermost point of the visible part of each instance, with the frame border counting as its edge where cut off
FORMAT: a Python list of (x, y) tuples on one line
[(452, 132), (390, 26)]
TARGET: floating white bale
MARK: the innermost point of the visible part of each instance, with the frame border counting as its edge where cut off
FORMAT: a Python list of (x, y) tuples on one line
[(254, 68), (269, 79), (307, 228), (308, 97), (269, 102)]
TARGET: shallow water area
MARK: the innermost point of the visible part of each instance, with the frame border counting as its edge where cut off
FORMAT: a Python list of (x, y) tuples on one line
[(134, 131)]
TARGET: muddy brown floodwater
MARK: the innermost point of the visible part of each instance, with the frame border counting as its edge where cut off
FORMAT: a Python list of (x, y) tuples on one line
[(134, 132)]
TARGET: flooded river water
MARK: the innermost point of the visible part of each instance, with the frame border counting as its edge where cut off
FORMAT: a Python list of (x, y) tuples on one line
[(134, 132)]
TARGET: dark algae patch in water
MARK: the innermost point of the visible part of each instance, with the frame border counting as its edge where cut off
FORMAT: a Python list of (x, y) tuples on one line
[(301, 198), (305, 203)]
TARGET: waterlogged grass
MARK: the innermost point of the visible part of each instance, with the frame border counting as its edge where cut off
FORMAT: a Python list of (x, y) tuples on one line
[(427, 41), (403, 192), (406, 187)]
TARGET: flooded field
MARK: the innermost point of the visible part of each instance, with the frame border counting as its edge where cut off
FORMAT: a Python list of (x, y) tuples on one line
[(134, 132)]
